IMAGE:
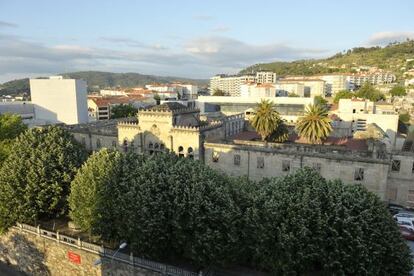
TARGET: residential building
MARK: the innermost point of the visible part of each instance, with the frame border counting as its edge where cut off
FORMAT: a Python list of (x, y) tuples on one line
[(59, 100), (258, 90), (363, 112), (286, 88), (265, 77), (311, 87), (374, 78), (231, 85)]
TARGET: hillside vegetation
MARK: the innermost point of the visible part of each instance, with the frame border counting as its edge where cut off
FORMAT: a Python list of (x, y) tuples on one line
[(97, 80), (392, 57)]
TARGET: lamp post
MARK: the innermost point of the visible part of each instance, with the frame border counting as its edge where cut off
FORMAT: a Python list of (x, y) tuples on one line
[(121, 246)]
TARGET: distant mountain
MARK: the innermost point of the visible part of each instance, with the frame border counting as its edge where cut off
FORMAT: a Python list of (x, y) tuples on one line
[(392, 57), (98, 80)]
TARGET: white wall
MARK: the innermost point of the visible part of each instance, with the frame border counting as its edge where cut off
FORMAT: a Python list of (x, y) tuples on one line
[(59, 100)]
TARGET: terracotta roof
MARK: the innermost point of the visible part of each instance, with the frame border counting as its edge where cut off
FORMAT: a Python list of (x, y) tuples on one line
[(105, 101)]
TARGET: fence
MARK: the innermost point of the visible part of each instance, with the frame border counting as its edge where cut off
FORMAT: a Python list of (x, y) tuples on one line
[(164, 269)]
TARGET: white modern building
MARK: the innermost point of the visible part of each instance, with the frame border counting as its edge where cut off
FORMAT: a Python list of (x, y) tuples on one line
[(257, 90), (231, 85), (363, 112), (286, 88), (59, 100), (374, 78)]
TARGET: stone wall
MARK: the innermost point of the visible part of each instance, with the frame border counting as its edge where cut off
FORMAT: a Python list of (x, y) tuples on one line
[(47, 253)]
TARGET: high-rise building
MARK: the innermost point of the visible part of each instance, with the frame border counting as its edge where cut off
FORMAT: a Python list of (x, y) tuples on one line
[(231, 85), (59, 100)]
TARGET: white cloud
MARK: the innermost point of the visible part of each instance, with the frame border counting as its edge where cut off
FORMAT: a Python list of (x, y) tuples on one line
[(4, 24), (383, 38), (198, 58), (203, 17), (220, 29)]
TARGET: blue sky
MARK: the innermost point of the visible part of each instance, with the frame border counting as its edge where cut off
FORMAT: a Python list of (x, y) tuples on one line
[(187, 38)]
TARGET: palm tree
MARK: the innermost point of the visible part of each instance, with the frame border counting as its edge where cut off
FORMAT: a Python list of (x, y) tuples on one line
[(315, 125), (266, 119)]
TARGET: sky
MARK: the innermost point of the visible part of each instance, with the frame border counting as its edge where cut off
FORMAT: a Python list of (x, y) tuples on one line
[(187, 38)]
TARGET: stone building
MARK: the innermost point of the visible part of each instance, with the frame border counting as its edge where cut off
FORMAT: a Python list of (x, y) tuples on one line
[(175, 128), (224, 145)]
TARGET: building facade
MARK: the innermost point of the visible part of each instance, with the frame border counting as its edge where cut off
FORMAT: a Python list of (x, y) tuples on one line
[(58, 100)]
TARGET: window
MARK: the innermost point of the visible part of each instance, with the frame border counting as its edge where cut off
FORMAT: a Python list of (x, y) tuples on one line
[(83, 141), (286, 166), (215, 157), (125, 144), (395, 165), (260, 162), (180, 151), (412, 169), (98, 143), (359, 174), (151, 148), (114, 144), (190, 153), (237, 159), (317, 167)]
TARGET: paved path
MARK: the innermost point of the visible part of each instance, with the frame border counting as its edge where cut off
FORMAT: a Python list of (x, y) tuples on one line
[(9, 271)]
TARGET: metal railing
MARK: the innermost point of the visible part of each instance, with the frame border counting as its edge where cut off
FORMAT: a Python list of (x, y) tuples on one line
[(107, 252)]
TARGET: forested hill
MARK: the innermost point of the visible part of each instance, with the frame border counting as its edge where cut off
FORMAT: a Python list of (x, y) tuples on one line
[(98, 80), (392, 57)]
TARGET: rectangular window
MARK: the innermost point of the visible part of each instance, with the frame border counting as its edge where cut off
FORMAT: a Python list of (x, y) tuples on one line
[(215, 157), (286, 165), (237, 159), (412, 169), (395, 165), (317, 167), (260, 162), (359, 174)]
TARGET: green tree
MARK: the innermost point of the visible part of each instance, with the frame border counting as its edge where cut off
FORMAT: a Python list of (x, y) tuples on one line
[(398, 91), (266, 119), (10, 127), (315, 125), (405, 118), (90, 196), (218, 92), (343, 94), (123, 111), (293, 95), (305, 224), (157, 98), (367, 91), (320, 100), (36, 176)]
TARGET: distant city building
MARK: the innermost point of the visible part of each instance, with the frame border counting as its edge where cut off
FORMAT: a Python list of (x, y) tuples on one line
[(59, 100), (311, 87), (373, 78), (231, 85), (258, 90), (285, 88)]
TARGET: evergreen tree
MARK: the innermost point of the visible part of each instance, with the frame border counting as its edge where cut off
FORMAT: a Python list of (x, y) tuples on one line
[(36, 176), (10, 127)]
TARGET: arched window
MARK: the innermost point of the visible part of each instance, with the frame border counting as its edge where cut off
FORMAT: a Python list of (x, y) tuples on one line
[(98, 143), (162, 147), (151, 148), (156, 146), (190, 153), (180, 151)]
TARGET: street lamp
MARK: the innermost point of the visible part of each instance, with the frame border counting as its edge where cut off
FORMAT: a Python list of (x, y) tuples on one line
[(121, 246)]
